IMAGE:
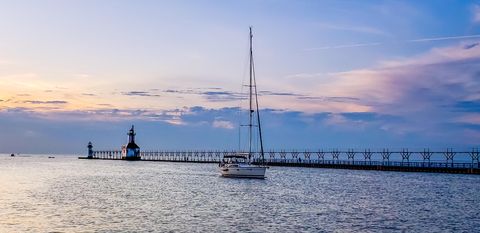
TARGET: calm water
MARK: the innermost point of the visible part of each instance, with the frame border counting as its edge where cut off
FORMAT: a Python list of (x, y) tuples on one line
[(65, 194)]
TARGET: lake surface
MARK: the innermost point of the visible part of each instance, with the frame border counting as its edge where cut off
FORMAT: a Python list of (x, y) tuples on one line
[(65, 194)]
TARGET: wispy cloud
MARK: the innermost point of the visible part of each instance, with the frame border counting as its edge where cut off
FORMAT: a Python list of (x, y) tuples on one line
[(343, 46), (476, 14), (220, 96), (172, 116), (329, 98), (471, 118), (444, 38), (272, 93), (140, 93), (428, 39), (224, 124), (352, 28), (468, 106), (469, 46), (105, 105), (211, 94), (45, 102)]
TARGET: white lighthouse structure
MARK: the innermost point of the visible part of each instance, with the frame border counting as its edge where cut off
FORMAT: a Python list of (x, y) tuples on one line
[(131, 151)]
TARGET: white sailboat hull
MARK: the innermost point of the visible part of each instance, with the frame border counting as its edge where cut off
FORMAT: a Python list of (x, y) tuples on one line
[(247, 171)]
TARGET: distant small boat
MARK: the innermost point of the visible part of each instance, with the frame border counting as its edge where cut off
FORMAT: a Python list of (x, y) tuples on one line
[(51, 157), (12, 155)]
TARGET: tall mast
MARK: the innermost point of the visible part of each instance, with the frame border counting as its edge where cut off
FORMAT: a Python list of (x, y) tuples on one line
[(250, 111), (253, 83)]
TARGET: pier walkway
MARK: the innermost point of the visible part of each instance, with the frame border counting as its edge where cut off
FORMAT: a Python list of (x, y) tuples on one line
[(448, 161)]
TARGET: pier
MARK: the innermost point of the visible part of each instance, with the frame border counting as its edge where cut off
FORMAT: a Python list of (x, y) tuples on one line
[(447, 161)]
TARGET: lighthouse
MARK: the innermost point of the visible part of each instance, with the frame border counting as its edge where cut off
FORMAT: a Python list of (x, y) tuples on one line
[(90, 150), (131, 151)]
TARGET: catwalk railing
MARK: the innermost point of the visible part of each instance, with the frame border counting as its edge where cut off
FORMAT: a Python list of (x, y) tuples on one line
[(402, 158)]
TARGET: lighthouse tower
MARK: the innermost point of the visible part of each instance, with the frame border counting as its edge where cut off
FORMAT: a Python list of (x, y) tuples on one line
[(90, 150), (131, 151)]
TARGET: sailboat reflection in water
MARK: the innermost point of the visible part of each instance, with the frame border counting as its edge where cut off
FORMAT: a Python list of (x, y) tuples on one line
[(240, 164)]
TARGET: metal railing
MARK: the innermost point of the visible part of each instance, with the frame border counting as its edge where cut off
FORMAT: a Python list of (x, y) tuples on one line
[(405, 158)]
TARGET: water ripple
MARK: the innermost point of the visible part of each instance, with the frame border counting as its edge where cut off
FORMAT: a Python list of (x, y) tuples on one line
[(70, 195)]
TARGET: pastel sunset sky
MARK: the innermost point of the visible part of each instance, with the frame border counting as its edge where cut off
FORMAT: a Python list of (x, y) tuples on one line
[(331, 74)]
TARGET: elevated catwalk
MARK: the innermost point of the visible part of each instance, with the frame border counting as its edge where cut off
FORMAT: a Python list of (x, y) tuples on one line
[(448, 161)]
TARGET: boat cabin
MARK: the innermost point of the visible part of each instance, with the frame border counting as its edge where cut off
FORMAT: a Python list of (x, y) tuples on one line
[(238, 158)]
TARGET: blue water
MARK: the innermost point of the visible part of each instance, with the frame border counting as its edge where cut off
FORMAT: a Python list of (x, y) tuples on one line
[(65, 194)]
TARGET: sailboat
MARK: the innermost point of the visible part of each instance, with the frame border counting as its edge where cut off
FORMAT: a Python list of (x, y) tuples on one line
[(239, 164)]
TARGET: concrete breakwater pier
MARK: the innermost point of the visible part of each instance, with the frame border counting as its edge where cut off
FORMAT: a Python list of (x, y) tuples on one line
[(448, 161)]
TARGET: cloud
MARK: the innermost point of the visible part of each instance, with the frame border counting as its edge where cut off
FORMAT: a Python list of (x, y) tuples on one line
[(206, 128), (469, 46), (476, 14), (470, 118), (220, 96), (444, 38), (427, 91), (101, 114), (343, 46), (45, 102), (341, 99), (217, 118), (467, 106), (224, 124), (352, 28), (140, 93), (417, 40), (431, 97), (233, 96), (335, 119), (211, 94), (171, 91), (216, 94), (272, 93)]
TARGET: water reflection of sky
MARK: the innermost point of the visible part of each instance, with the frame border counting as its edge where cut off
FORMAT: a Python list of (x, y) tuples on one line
[(70, 195)]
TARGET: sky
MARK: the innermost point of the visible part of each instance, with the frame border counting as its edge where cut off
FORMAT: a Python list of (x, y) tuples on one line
[(330, 74)]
